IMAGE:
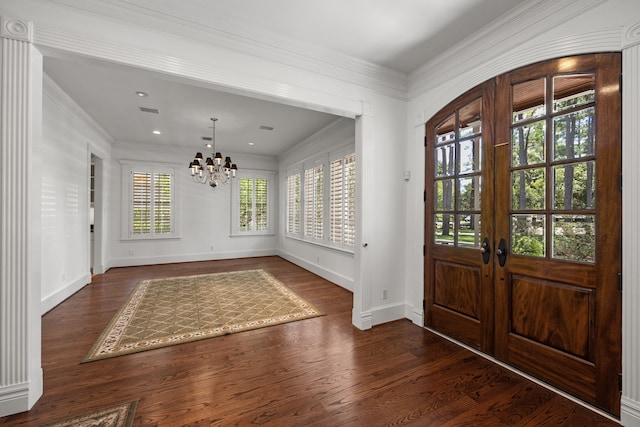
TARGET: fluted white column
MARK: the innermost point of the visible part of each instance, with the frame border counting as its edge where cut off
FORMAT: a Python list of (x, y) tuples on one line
[(18, 322), (630, 405)]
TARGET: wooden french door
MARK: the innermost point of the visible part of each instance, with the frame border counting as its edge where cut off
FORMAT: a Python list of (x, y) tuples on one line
[(523, 223), (458, 277)]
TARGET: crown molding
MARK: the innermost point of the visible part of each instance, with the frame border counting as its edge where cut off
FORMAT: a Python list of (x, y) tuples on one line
[(511, 30), (228, 32)]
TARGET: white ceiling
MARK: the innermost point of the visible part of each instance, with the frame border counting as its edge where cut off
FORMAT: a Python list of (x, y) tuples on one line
[(400, 35)]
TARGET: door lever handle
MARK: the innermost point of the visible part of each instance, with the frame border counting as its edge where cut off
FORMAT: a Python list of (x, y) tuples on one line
[(502, 252), (485, 249)]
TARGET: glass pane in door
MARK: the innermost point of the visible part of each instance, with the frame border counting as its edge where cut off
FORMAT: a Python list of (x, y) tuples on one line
[(457, 156)]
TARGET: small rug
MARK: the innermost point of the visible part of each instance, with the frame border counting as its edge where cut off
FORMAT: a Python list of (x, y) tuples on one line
[(163, 312), (114, 416)]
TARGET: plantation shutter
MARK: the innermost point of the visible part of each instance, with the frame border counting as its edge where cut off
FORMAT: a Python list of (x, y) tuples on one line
[(141, 203), (253, 205), (260, 198), (335, 201), (342, 201), (313, 201), (246, 196), (151, 203), (293, 203), (349, 233), (162, 201)]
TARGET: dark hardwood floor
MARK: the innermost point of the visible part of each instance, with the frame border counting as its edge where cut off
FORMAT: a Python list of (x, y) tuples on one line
[(315, 372)]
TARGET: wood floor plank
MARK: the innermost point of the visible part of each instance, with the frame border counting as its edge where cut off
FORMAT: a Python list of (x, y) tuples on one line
[(315, 372)]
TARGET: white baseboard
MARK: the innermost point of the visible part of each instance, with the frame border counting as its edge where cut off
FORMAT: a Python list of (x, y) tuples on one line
[(100, 269), (362, 320), (387, 313), (320, 270), (170, 259), (14, 399), (415, 314), (629, 412), (52, 300)]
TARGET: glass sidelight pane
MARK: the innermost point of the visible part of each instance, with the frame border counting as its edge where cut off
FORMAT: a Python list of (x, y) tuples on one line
[(574, 134), (469, 231), (574, 238), (528, 100), (470, 119), (446, 131), (528, 189), (528, 235), (444, 195), (527, 144), (573, 90), (469, 193), (470, 157), (445, 160), (444, 229), (574, 186)]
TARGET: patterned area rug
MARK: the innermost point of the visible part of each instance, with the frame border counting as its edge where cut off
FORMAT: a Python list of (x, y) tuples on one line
[(113, 416), (163, 312)]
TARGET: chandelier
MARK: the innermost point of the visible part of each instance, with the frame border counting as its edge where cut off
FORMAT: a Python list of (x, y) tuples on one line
[(213, 170)]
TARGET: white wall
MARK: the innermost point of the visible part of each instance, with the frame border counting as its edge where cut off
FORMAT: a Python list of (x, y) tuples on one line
[(203, 215), (331, 263), (68, 138)]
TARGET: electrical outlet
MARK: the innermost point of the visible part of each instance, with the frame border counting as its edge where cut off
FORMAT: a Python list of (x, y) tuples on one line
[(385, 294), (130, 251)]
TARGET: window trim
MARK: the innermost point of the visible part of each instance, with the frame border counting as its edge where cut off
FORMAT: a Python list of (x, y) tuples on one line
[(128, 167), (270, 176)]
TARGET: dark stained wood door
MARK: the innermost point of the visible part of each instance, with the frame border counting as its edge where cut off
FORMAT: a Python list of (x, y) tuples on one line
[(558, 209), (459, 292), (548, 301)]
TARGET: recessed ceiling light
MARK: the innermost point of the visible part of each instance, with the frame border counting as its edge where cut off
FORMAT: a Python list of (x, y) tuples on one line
[(208, 145), (156, 132), (142, 94), (252, 143)]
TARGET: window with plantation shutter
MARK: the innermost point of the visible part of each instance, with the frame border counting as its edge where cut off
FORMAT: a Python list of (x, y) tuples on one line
[(321, 200), (293, 203), (313, 202), (151, 204), (251, 207), (342, 200)]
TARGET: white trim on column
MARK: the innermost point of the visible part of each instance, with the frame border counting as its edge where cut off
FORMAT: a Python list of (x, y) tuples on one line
[(361, 315), (20, 378), (630, 403), (16, 29)]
